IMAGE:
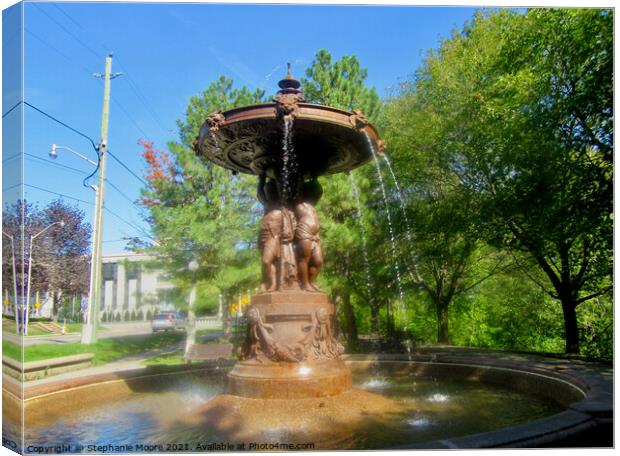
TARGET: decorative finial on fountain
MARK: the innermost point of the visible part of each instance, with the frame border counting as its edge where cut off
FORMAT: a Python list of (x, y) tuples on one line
[(289, 84), (289, 95)]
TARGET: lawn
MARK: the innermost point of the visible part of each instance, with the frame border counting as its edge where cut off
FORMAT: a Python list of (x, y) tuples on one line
[(8, 325), (105, 350), (176, 357)]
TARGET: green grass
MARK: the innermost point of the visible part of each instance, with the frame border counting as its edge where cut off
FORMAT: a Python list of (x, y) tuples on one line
[(176, 358), (11, 350), (8, 325), (204, 332), (169, 359), (105, 350)]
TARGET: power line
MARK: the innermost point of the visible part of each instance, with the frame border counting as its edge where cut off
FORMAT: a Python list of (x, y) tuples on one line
[(11, 187), (122, 194), (12, 157), (14, 106), (129, 116), (88, 48), (58, 165), (127, 168), (90, 73), (131, 82), (64, 124), (79, 171), (134, 87), (73, 61), (62, 195), (90, 139)]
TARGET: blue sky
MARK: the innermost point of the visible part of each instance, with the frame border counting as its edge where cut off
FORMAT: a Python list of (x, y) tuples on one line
[(169, 52)]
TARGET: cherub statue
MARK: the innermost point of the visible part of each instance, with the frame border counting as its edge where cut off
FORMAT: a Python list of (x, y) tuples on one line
[(307, 240), (270, 231)]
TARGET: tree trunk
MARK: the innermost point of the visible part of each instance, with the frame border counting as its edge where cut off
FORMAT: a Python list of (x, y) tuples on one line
[(374, 319), (442, 321), (391, 328), (570, 325), (349, 318), (55, 306)]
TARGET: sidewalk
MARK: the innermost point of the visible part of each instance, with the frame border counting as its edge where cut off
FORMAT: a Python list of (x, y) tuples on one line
[(107, 332), (133, 362)]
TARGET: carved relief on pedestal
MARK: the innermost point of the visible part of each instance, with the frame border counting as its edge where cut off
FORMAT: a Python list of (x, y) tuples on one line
[(260, 345), (316, 340), (324, 345)]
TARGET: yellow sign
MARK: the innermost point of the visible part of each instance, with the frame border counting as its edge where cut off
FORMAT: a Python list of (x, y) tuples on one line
[(37, 303), (6, 297)]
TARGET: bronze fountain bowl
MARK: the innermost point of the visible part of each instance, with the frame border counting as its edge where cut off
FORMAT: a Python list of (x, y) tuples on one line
[(325, 140)]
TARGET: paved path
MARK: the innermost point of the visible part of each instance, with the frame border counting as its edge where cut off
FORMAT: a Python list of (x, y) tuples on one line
[(108, 332), (130, 362)]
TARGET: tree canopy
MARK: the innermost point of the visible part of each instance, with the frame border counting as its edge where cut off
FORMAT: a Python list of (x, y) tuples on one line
[(501, 149), (509, 107)]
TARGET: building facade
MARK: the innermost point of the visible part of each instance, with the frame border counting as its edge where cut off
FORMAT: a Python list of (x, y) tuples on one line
[(130, 290)]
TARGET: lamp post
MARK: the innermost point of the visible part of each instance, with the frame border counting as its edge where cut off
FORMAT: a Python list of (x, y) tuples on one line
[(32, 238), (12, 238), (190, 328), (88, 332), (54, 153)]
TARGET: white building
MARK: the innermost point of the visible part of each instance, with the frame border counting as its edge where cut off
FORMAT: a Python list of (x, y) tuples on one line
[(131, 289)]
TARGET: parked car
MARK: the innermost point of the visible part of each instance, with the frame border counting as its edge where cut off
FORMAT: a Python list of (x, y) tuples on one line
[(167, 321)]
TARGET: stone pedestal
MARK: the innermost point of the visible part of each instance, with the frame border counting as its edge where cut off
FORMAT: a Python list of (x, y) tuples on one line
[(289, 350)]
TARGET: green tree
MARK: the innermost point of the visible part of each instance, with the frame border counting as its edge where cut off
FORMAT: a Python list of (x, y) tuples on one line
[(200, 210), (60, 256), (519, 108), (341, 84), (441, 250), (65, 252)]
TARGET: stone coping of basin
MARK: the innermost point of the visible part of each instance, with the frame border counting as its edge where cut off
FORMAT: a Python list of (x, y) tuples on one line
[(45, 363), (593, 379)]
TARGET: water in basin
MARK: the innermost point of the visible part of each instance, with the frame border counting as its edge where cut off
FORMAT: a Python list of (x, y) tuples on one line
[(439, 409)]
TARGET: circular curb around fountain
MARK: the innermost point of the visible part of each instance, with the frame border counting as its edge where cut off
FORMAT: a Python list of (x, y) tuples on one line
[(585, 388)]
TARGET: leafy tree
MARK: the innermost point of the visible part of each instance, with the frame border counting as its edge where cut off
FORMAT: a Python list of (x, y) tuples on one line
[(518, 107), (200, 210), (60, 256), (66, 252), (341, 84)]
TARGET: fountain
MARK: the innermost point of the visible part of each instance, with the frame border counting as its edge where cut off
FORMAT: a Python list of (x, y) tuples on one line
[(292, 387), (289, 351)]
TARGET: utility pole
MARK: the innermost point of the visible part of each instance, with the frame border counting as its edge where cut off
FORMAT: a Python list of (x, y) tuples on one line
[(89, 328)]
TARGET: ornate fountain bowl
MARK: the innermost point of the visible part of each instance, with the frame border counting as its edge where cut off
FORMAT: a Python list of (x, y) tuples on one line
[(326, 140)]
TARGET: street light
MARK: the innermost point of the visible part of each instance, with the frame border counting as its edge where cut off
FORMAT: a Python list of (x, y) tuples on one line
[(190, 329), (54, 153), (89, 326), (12, 238), (32, 238)]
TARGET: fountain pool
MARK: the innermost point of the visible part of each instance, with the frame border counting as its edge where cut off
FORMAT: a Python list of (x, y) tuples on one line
[(423, 403)]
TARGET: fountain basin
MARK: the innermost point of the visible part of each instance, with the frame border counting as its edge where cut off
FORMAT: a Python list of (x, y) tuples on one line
[(326, 140), (579, 394)]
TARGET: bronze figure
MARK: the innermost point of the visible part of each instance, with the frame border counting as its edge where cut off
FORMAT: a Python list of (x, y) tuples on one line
[(290, 349), (307, 240), (288, 264), (270, 231)]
